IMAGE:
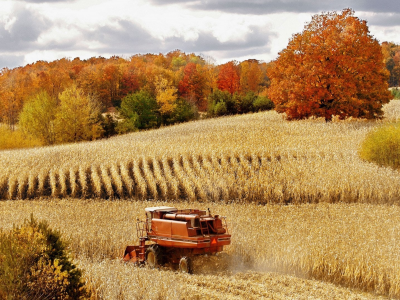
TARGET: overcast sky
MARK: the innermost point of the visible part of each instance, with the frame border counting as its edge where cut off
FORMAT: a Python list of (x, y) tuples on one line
[(32, 30)]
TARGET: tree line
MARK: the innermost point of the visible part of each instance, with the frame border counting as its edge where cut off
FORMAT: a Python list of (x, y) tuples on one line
[(165, 77), (148, 91)]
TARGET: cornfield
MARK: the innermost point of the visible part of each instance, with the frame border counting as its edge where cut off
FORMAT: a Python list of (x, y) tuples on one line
[(339, 223), (355, 245), (257, 158)]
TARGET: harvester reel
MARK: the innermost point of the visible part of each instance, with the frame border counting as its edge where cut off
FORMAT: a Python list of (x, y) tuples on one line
[(154, 256), (186, 265)]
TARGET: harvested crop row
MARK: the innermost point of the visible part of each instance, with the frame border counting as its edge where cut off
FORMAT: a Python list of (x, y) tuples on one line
[(263, 178)]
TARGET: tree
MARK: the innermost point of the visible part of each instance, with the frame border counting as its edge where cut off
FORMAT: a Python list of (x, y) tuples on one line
[(192, 85), (184, 111), (251, 76), (228, 78), (334, 67), (12, 92), (165, 95), (391, 54), (37, 117), (221, 103), (129, 82), (78, 116), (139, 111)]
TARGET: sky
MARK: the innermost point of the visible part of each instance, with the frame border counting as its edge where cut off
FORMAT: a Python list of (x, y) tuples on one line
[(224, 30)]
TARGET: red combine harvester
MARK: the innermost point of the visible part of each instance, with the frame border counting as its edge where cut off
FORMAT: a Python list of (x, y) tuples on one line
[(177, 236)]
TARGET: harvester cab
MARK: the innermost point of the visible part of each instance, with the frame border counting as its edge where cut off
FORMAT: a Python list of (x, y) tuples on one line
[(175, 236)]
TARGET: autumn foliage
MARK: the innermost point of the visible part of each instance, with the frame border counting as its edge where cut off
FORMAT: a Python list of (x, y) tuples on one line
[(176, 80), (228, 77), (391, 55), (35, 264), (334, 67)]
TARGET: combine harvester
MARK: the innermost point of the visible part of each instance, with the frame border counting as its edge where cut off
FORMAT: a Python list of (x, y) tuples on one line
[(176, 236)]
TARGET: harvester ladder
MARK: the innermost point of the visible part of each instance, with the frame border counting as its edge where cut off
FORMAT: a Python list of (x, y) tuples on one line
[(204, 227), (142, 249)]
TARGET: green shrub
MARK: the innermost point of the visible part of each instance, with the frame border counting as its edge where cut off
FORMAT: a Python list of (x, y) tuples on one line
[(218, 96), (34, 262), (382, 146), (245, 103), (184, 111), (396, 93), (140, 110), (262, 103), (220, 109)]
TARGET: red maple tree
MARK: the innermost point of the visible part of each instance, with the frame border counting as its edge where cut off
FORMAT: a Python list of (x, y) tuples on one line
[(192, 85), (228, 78), (334, 67)]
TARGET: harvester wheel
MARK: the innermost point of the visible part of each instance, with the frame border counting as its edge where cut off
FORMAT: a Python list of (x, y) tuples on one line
[(185, 265), (154, 256)]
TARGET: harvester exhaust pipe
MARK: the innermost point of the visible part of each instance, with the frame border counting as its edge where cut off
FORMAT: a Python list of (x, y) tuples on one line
[(180, 217)]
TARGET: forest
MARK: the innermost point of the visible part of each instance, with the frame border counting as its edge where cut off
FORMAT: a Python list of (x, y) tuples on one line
[(166, 77), (163, 89)]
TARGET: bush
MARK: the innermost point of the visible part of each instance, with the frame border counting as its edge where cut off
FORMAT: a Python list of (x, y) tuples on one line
[(12, 139), (34, 262), (262, 103), (109, 125), (396, 93), (218, 96), (184, 111), (382, 146), (140, 110), (220, 109), (245, 103)]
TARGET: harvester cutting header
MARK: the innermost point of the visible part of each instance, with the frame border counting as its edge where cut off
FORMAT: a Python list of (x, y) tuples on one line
[(176, 236)]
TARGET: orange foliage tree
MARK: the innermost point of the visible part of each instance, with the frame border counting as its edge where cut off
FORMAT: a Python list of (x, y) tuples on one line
[(110, 79), (251, 76), (192, 85), (228, 78), (391, 54), (334, 67)]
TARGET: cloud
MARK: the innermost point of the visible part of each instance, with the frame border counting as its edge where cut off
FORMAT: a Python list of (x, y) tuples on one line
[(129, 38), (257, 38), (385, 20), (126, 37), (11, 61), (261, 7), (22, 31), (47, 1)]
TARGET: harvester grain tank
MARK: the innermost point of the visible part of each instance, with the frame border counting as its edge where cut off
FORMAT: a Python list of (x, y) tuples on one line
[(176, 236)]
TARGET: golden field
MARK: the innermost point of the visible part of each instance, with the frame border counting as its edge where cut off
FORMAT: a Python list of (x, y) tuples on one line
[(258, 157), (349, 244), (302, 207)]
